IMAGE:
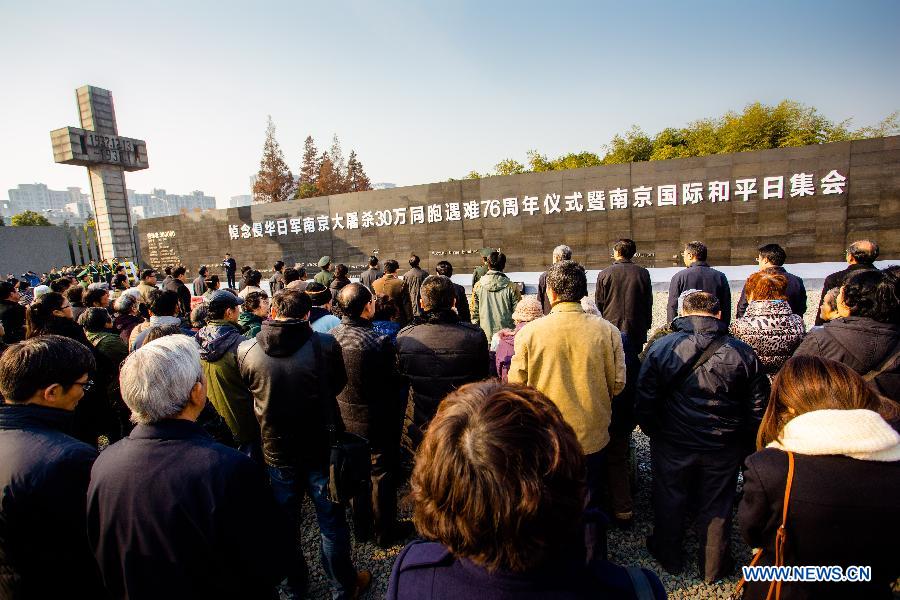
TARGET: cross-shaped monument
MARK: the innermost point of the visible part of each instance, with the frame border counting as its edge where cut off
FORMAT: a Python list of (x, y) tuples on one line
[(98, 146)]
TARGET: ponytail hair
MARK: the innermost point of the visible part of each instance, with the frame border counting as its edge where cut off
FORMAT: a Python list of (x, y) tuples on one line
[(40, 312)]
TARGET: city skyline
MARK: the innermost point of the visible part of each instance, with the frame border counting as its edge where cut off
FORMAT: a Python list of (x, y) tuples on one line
[(436, 93)]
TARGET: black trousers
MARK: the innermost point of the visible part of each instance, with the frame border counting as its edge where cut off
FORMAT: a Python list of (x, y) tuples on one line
[(376, 512), (702, 481), (230, 277)]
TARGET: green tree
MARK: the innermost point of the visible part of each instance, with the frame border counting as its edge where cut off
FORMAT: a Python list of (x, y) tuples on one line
[(634, 146), (757, 127), (274, 181), (309, 170), (29, 218), (509, 166), (538, 161)]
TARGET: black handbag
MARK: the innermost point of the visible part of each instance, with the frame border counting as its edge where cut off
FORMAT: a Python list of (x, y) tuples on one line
[(349, 465)]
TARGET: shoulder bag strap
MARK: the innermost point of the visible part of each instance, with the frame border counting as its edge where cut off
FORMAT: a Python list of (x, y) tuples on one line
[(780, 537), (705, 356), (781, 534), (322, 375), (887, 362), (874, 371)]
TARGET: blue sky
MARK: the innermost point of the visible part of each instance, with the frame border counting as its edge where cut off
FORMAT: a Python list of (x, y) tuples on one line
[(423, 91)]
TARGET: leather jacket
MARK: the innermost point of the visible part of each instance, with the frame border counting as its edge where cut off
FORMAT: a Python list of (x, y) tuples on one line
[(279, 367)]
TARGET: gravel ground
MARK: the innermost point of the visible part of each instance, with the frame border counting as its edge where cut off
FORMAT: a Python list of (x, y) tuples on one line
[(625, 547)]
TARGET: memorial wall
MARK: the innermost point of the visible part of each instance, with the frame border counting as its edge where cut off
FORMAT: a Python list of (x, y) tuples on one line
[(812, 200)]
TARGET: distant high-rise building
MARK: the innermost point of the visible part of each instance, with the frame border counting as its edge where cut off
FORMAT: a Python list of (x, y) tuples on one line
[(383, 186), (58, 206), (242, 200), (158, 203)]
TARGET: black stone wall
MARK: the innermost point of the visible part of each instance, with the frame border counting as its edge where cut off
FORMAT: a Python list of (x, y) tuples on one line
[(812, 228)]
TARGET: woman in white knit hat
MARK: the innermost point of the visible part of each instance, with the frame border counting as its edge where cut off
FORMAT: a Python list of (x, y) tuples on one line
[(828, 451)]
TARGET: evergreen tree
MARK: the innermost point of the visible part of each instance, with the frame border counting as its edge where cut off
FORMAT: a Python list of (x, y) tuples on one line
[(274, 182), (342, 183), (357, 179), (309, 170)]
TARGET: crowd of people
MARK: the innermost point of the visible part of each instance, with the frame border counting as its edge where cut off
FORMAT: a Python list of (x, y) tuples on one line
[(159, 436)]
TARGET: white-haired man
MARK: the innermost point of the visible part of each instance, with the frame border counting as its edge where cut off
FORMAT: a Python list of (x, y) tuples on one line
[(561, 252), (172, 513)]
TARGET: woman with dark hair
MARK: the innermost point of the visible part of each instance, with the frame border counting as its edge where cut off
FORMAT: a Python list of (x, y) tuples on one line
[(866, 334), (340, 279), (75, 296), (212, 284), (386, 320), (120, 279), (51, 314), (251, 281), (824, 445), (498, 490), (769, 325)]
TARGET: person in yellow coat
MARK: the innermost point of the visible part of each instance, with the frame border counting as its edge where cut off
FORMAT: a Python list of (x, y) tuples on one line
[(576, 359)]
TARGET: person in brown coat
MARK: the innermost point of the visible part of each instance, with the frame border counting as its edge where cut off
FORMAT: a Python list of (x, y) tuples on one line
[(396, 288)]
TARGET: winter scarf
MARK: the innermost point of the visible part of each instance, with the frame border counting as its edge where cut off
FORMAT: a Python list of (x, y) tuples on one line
[(859, 433)]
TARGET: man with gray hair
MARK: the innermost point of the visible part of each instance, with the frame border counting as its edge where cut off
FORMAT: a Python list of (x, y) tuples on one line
[(860, 256), (561, 252), (172, 513)]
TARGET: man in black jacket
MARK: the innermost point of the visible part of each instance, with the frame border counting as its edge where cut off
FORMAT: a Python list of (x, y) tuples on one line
[(294, 374), (370, 275), (12, 314), (700, 397), (437, 354), (372, 405), (176, 284), (230, 269), (861, 256), (413, 279), (771, 258), (561, 252), (171, 512), (462, 301), (44, 472), (624, 295), (699, 276)]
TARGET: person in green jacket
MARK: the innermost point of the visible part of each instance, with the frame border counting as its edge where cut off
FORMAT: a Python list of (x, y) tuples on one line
[(110, 351), (494, 298), (255, 311), (325, 276), (481, 269), (218, 342)]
